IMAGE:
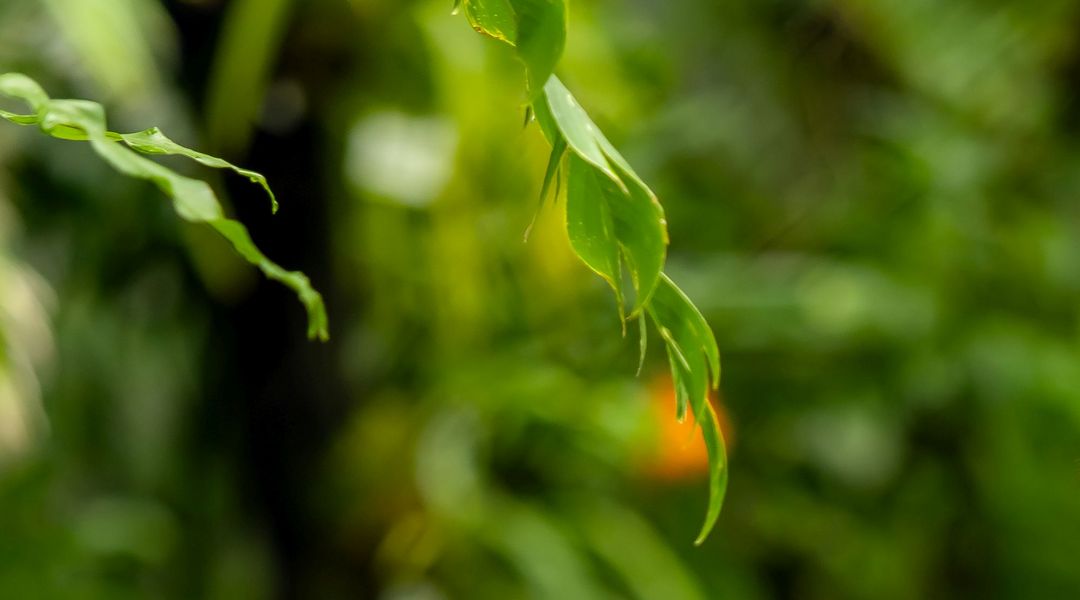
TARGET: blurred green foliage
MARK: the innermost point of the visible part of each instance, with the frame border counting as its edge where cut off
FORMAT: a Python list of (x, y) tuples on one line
[(872, 202)]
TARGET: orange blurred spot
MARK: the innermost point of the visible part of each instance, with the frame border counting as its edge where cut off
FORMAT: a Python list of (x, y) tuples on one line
[(679, 453)]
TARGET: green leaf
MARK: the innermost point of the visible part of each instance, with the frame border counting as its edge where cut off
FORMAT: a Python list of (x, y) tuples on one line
[(537, 28), (558, 151), (27, 90), (541, 39), (192, 199), (237, 234), (153, 141), (493, 18), (571, 120), (586, 138), (688, 337), (695, 367), (643, 343), (642, 233), (590, 224), (637, 231), (718, 471), (541, 110)]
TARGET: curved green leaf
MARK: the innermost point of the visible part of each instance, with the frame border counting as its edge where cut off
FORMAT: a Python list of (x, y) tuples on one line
[(695, 367), (638, 228), (537, 28), (586, 138), (642, 233), (609, 227), (192, 199), (718, 471), (558, 151), (570, 119), (590, 224), (493, 18), (153, 141)]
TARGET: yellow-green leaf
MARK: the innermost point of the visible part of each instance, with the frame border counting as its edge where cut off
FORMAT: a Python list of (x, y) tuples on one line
[(494, 18), (541, 38), (537, 28)]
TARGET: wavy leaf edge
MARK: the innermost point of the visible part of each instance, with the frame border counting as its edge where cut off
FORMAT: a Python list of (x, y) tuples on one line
[(193, 199)]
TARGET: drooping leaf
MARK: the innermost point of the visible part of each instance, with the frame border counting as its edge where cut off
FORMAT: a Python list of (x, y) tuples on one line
[(586, 138), (718, 471), (638, 230), (562, 111), (192, 199), (695, 368), (688, 336), (614, 221), (153, 141), (643, 343), (590, 224), (237, 234), (642, 233)]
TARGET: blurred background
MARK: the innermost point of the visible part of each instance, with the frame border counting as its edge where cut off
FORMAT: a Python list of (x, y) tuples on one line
[(873, 202)]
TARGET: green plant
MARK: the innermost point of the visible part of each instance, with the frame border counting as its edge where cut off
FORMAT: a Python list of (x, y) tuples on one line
[(193, 199), (614, 221)]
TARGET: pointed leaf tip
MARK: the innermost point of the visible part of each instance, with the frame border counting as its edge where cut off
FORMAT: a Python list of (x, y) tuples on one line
[(718, 473), (694, 363)]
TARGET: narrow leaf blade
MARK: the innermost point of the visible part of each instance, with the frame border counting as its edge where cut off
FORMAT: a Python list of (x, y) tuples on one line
[(154, 141), (695, 362), (718, 471), (192, 199)]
